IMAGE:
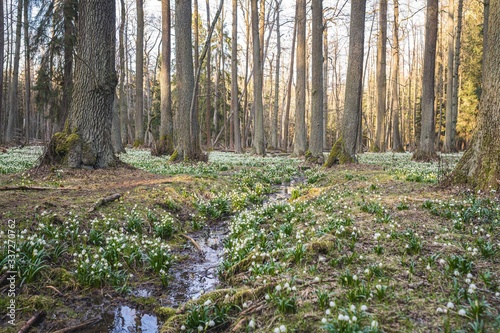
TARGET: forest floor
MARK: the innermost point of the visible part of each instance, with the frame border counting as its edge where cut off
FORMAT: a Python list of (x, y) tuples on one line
[(247, 244)]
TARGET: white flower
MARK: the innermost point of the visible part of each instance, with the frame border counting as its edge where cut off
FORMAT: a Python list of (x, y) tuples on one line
[(328, 312), (450, 305), (332, 304), (354, 319), (211, 323), (276, 330), (200, 328), (323, 320), (245, 305), (439, 310), (316, 279), (267, 297), (462, 312), (278, 287), (352, 307), (469, 275), (183, 328), (364, 307), (374, 324), (251, 324), (282, 328)]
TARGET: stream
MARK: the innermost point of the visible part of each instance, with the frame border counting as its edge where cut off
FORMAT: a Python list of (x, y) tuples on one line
[(189, 279)]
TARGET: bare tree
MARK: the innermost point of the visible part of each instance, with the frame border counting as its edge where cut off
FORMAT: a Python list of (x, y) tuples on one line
[(426, 150), (234, 80), (258, 143), (209, 85), (274, 120), (380, 143), (300, 137), (166, 142), (139, 75), (316, 139), (395, 105), (344, 150), (286, 114), (2, 41), (13, 119)]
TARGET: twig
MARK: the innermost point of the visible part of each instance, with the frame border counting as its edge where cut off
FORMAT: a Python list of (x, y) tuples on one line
[(33, 320), (55, 289), (192, 241), (79, 326)]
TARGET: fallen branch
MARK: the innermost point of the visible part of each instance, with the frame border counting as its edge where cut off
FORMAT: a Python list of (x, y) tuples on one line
[(105, 201), (33, 320), (29, 188), (79, 326), (192, 241)]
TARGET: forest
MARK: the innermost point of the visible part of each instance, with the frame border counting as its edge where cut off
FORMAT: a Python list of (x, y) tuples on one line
[(249, 166)]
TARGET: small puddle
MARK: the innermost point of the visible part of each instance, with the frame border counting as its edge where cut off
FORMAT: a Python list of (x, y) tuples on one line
[(130, 320)]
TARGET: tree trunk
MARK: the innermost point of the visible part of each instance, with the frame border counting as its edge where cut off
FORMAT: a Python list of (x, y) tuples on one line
[(188, 145), (258, 143), (286, 120), (344, 150), (274, 120), (426, 151), (209, 84), (456, 78), (480, 165), (300, 144), (87, 141), (234, 80), (166, 143), (449, 137), (380, 143), (316, 139), (2, 41), (27, 74), (325, 84), (397, 146), (139, 76), (196, 25), (123, 99), (13, 121)]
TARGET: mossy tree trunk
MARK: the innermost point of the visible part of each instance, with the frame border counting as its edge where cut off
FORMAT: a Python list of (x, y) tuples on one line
[(480, 165), (86, 141), (344, 150)]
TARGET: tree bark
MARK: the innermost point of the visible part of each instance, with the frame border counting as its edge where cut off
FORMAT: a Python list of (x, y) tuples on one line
[(395, 106), (258, 143), (344, 150), (456, 78), (87, 142), (380, 143), (188, 144), (325, 84), (479, 167), (448, 139), (286, 120), (139, 76), (316, 138), (122, 95), (27, 75), (234, 80), (209, 85), (2, 42), (300, 137), (13, 121), (166, 142), (274, 120), (426, 151)]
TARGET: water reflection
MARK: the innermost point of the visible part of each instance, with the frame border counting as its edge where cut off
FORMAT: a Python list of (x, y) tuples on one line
[(128, 320)]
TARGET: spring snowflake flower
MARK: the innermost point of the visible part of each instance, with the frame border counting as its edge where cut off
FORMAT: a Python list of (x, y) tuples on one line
[(374, 324), (183, 328), (200, 328), (352, 307), (364, 307), (450, 305), (332, 304), (251, 324), (323, 320), (282, 328), (211, 323), (462, 312), (328, 312), (354, 318), (276, 330)]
